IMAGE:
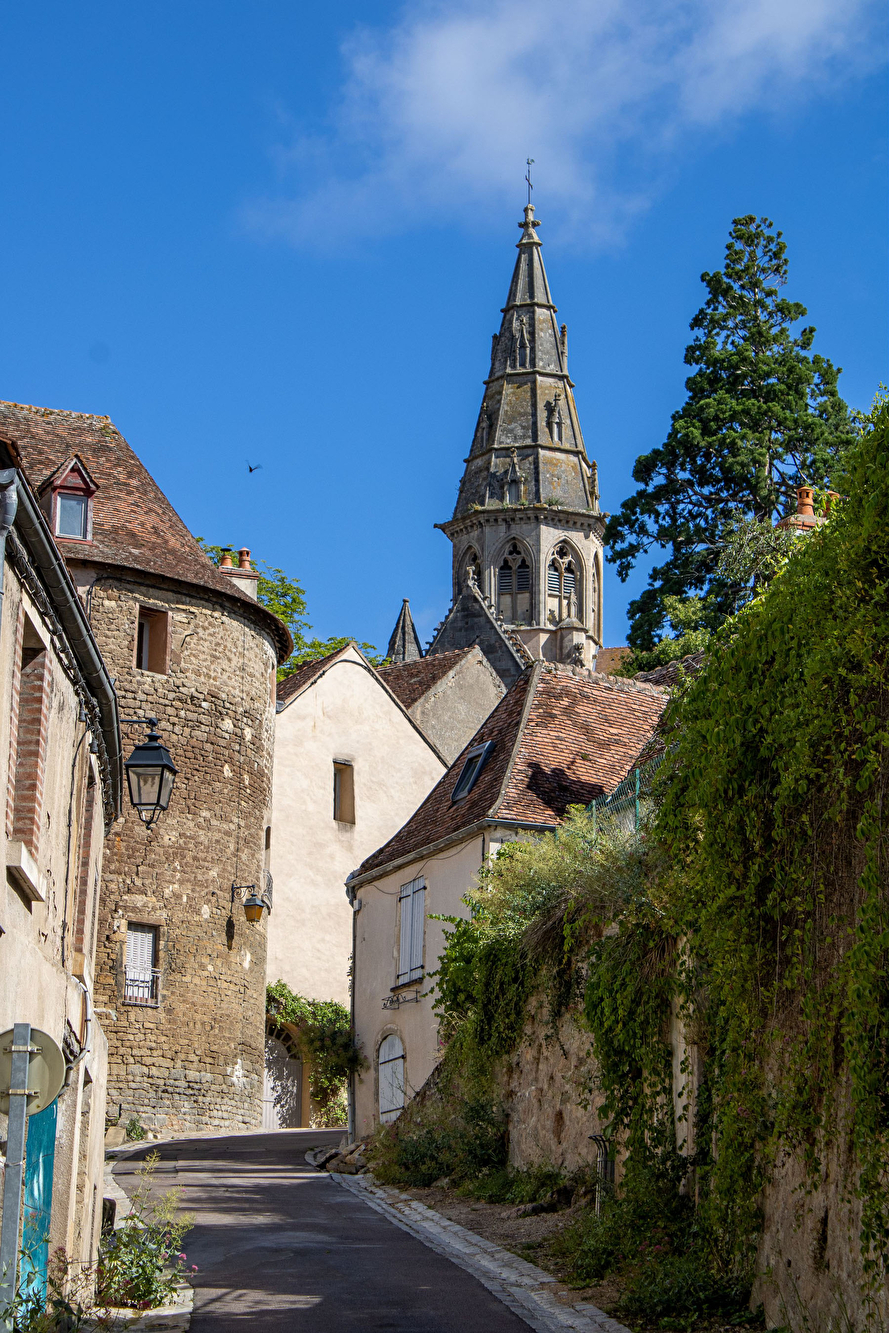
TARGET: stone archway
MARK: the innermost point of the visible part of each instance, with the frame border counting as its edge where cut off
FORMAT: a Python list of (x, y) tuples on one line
[(282, 1082)]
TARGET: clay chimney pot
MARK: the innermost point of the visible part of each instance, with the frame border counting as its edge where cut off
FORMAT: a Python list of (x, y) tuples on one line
[(831, 496), (244, 558), (226, 561), (804, 498)]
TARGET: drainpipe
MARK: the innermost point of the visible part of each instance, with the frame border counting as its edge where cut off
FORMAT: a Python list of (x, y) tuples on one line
[(88, 1035), (352, 894), (9, 498)]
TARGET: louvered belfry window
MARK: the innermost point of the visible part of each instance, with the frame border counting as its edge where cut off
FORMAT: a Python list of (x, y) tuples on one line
[(412, 902), (514, 587), (562, 592)]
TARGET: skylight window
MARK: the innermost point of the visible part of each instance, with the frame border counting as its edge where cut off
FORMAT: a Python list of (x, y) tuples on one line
[(472, 767)]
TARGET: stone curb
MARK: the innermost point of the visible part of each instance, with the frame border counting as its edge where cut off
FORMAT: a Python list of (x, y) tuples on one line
[(520, 1285)]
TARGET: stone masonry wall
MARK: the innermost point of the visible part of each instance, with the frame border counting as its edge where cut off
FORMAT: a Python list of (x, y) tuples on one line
[(195, 1062)]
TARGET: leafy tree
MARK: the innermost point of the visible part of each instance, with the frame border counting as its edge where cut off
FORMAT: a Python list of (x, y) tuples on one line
[(286, 599), (763, 415)]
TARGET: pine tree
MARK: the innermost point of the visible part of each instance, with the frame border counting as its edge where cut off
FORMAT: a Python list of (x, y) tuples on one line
[(763, 416)]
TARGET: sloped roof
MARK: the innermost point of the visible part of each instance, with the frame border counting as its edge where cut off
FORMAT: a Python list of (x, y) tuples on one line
[(409, 681), (562, 736), (670, 672), (609, 659), (293, 684), (134, 524)]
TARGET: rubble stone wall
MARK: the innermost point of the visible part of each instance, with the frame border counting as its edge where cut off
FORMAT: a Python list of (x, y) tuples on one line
[(195, 1061)]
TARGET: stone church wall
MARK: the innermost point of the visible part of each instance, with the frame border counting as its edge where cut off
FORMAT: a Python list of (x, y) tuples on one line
[(194, 1062)]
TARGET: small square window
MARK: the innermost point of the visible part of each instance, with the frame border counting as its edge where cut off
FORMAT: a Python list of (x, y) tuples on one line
[(151, 641), (72, 516), (343, 793), (472, 767)]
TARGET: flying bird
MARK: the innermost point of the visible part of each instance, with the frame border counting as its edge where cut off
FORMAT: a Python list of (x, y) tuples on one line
[(251, 467)]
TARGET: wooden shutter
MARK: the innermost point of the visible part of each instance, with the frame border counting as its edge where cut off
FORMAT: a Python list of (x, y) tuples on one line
[(140, 947), (390, 1063), (418, 917), (404, 947)]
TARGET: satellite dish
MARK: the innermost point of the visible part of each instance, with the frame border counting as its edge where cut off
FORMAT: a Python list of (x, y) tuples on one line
[(46, 1071)]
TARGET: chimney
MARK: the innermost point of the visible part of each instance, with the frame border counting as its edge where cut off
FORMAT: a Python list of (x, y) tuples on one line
[(805, 517), (244, 576)]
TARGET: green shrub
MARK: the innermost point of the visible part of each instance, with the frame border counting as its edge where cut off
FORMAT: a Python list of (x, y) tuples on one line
[(135, 1130), (141, 1263), (676, 1289), (466, 1142)]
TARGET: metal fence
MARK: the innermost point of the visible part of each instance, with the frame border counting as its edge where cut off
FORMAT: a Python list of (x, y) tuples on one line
[(626, 808), (141, 986)]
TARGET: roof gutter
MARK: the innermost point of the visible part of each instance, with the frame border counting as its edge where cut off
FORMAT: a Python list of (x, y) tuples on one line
[(356, 881), (100, 703)]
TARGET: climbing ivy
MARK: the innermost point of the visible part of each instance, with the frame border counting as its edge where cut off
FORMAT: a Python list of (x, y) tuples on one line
[(324, 1032)]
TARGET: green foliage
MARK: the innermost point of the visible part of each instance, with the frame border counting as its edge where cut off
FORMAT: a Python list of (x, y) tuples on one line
[(466, 1143), (324, 1032), (286, 599), (135, 1130), (762, 416), (772, 824), (141, 1263)]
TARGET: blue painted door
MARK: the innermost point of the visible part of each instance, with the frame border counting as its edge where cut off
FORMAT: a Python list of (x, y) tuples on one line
[(40, 1148)]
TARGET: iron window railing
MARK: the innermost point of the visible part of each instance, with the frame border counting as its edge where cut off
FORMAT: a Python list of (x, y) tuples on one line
[(142, 986)]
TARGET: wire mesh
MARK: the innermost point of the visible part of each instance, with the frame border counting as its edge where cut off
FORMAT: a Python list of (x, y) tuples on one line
[(627, 807)]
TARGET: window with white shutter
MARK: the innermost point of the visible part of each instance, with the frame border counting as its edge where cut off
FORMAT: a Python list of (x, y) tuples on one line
[(412, 903), (390, 1069), (140, 973)]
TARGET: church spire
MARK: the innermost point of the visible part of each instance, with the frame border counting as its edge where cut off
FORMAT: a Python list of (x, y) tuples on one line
[(404, 645), (528, 406), (527, 529)]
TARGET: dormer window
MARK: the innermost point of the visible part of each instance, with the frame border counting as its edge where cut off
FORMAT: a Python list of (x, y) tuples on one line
[(472, 767), (72, 516), (70, 501)]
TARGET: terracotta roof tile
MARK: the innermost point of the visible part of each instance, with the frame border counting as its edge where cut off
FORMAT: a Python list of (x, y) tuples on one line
[(609, 659), (409, 681), (562, 737), (669, 673), (134, 524)]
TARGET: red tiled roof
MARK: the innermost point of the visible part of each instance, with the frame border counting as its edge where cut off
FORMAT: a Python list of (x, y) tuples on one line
[(409, 681), (609, 659), (561, 737), (670, 672), (304, 675), (134, 524)]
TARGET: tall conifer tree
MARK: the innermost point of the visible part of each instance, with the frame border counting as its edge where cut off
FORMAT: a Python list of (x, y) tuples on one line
[(763, 416)]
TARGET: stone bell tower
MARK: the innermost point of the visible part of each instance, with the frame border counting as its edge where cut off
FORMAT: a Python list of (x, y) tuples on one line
[(527, 529)]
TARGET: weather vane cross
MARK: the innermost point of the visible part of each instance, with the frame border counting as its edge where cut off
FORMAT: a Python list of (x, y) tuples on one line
[(530, 163)]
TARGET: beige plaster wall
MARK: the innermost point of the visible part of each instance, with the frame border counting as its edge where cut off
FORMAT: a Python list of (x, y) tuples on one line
[(448, 875), (41, 975), (454, 709), (345, 714)]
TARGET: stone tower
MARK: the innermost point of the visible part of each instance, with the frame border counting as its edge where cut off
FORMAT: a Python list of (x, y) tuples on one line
[(180, 973), (527, 529)]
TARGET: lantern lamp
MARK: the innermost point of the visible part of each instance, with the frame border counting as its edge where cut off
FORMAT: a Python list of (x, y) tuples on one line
[(150, 776)]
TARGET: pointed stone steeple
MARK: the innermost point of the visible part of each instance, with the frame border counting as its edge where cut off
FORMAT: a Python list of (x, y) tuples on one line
[(527, 527), (404, 645), (528, 407)]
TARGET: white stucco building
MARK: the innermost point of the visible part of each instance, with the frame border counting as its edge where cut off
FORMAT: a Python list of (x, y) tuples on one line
[(351, 766)]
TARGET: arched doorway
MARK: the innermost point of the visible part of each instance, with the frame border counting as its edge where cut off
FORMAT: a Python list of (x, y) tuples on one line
[(390, 1068), (282, 1083)]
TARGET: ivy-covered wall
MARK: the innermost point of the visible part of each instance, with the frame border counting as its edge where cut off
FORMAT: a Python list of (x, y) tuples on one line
[(731, 960)]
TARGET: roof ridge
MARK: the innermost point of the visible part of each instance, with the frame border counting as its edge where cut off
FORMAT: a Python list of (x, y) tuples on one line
[(622, 684), (56, 412), (534, 674)]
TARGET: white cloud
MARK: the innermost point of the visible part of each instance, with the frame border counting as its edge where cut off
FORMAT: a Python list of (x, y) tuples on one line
[(436, 115)]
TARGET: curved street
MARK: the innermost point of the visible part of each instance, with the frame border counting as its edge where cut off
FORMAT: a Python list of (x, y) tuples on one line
[(280, 1246)]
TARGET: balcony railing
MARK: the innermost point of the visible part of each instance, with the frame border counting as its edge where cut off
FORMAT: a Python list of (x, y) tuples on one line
[(141, 986)]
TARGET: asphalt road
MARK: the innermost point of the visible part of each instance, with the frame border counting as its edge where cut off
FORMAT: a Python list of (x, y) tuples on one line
[(280, 1246)]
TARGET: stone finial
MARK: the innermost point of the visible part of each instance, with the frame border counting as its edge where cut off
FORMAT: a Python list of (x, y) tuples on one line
[(529, 225)]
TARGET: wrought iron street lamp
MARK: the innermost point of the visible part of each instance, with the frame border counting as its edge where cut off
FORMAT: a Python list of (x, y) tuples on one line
[(150, 775), (253, 901)]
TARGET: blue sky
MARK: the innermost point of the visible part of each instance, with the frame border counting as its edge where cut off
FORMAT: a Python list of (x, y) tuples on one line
[(282, 233)]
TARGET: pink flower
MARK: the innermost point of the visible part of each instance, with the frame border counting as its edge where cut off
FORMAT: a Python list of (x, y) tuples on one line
[(194, 1268)]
